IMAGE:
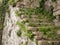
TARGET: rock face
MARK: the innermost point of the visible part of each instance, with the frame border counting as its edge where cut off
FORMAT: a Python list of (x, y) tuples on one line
[(0, 37), (10, 36), (57, 13), (10, 30)]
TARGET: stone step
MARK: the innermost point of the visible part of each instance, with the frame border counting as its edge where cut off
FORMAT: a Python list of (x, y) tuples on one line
[(37, 33), (38, 28), (42, 42), (38, 37), (24, 16), (46, 42), (33, 28), (31, 17), (40, 24), (33, 25), (34, 16), (36, 19)]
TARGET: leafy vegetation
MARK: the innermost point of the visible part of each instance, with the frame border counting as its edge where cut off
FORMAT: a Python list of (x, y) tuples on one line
[(39, 10), (22, 26), (25, 11), (12, 2), (54, 0), (29, 34), (19, 33), (50, 32), (2, 13)]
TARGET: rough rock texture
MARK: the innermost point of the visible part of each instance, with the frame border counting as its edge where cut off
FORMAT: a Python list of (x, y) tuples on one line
[(10, 28), (9, 33)]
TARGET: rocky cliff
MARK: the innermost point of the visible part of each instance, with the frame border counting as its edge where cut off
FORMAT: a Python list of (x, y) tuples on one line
[(22, 27)]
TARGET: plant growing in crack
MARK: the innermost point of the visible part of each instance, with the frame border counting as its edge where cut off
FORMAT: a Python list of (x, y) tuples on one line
[(50, 32), (29, 34), (19, 33)]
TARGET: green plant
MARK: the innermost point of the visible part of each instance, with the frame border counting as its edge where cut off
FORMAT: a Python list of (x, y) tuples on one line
[(54, 0), (42, 2), (11, 2), (19, 33), (30, 35), (2, 12), (44, 29), (36, 42), (32, 24), (17, 13), (41, 12), (50, 32), (22, 26)]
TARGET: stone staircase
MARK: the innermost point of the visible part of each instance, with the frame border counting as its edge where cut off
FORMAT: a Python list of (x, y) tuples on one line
[(34, 23)]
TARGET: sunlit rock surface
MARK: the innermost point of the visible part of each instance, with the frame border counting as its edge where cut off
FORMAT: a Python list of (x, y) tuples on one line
[(9, 34), (10, 30)]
